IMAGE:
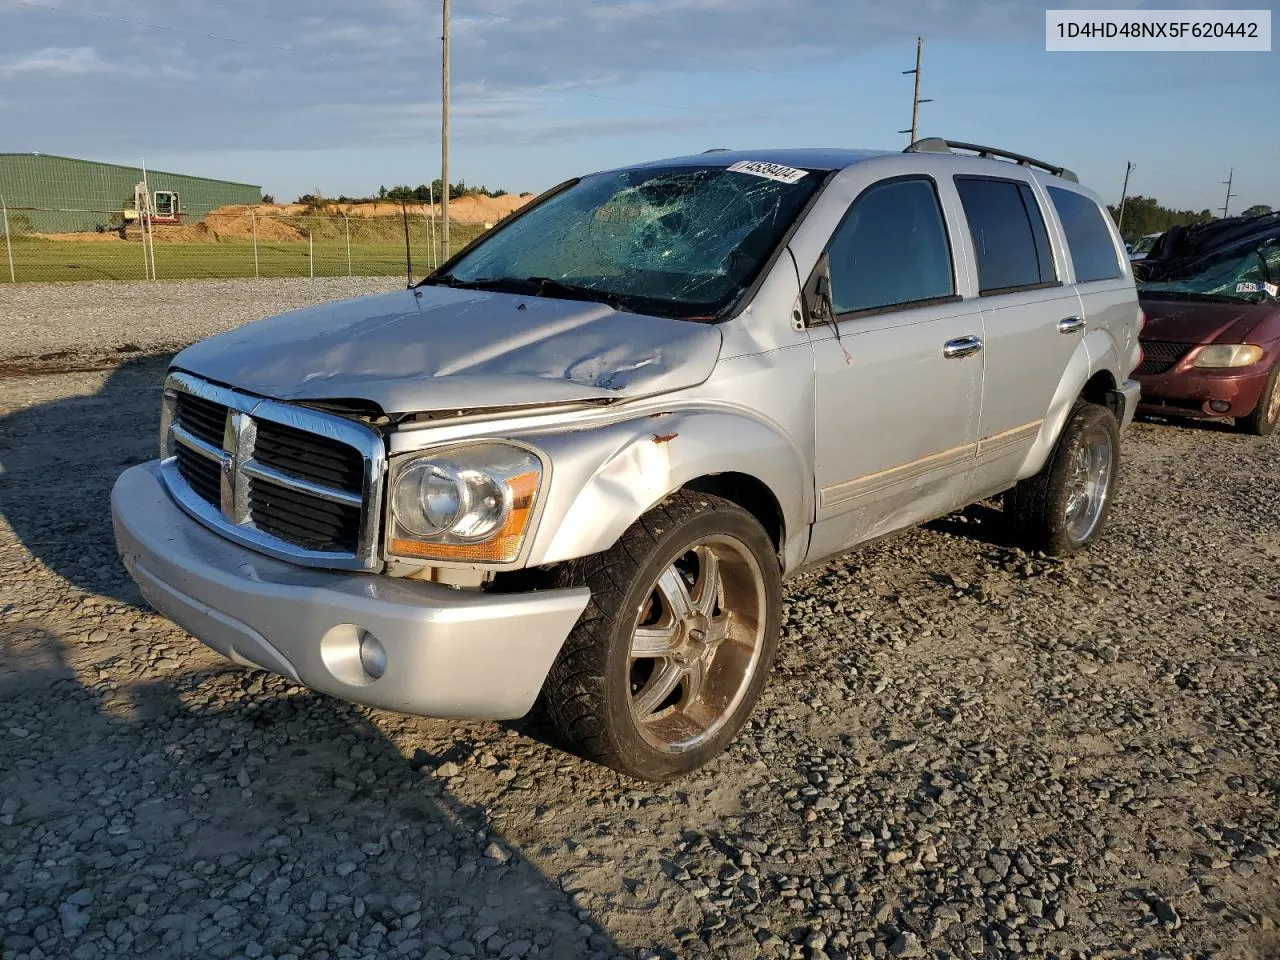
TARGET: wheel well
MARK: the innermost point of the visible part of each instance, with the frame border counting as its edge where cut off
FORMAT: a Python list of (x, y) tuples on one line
[(1099, 386), (748, 493), (1101, 389)]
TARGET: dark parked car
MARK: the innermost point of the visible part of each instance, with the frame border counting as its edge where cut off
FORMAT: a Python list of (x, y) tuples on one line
[(1211, 343)]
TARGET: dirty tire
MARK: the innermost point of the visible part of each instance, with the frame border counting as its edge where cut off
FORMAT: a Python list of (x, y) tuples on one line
[(589, 691), (1036, 508), (1263, 421)]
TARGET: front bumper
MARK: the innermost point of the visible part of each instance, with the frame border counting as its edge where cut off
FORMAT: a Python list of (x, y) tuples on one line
[(448, 653), (1204, 392)]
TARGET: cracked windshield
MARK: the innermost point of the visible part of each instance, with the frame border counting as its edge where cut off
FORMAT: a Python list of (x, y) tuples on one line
[(1230, 275), (677, 241)]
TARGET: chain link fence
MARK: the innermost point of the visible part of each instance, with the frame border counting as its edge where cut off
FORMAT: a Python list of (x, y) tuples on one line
[(243, 243)]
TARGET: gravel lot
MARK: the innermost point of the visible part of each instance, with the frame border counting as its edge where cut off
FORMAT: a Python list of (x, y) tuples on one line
[(965, 751), (101, 317)]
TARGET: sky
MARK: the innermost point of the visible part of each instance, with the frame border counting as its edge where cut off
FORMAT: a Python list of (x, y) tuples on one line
[(300, 95)]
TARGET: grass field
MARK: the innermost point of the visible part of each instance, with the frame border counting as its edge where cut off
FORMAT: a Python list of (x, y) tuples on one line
[(37, 259)]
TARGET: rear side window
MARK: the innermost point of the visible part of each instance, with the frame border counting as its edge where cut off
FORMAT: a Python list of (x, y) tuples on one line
[(1093, 253), (1008, 234), (891, 249)]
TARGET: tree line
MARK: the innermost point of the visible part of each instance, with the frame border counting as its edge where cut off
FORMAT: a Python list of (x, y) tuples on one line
[(1145, 215), (422, 193)]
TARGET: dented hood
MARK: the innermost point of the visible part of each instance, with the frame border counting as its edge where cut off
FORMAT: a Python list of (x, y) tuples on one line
[(437, 348)]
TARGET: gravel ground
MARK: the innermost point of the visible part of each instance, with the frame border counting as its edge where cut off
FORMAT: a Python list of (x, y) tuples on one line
[(101, 317), (965, 751)]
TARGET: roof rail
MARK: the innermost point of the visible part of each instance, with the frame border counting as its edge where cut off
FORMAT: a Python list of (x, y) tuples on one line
[(939, 145), (717, 150)]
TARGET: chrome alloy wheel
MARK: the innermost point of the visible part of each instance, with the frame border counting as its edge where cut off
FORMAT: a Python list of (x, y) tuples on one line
[(697, 644), (1273, 408), (1089, 482)]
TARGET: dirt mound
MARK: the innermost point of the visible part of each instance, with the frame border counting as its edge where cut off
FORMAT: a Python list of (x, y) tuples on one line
[(236, 226), (86, 237), (468, 209)]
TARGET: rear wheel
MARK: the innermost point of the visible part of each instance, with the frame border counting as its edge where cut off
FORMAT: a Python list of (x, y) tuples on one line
[(1262, 422), (675, 645), (1064, 507)]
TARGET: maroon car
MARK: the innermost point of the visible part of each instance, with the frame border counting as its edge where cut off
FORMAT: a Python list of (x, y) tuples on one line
[(1211, 342)]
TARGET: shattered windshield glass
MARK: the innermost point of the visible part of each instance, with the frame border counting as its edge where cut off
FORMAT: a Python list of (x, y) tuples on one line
[(676, 241), (1249, 275), (1145, 244)]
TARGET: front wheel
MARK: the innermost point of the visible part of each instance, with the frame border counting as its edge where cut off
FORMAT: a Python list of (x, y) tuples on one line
[(1064, 507), (670, 656), (1263, 421)]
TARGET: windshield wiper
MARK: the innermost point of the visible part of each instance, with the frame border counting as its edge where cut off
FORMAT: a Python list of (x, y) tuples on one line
[(503, 284), (1196, 295), (537, 286), (551, 287)]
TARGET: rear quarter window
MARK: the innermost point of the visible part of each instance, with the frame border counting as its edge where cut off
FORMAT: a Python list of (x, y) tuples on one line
[(1009, 235), (1093, 252)]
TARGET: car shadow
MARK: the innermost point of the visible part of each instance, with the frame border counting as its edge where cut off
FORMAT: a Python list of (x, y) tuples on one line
[(241, 816), (1189, 423), (149, 810), (981, 522), (60, 459)]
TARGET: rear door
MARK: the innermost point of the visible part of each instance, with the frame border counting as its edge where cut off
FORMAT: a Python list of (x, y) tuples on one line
[(1032, 319), (1102, 280)]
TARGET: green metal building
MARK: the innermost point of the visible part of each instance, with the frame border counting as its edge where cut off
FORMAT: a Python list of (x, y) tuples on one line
[(49, 194)]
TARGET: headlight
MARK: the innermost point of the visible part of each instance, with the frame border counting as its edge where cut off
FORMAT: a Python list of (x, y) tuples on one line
[(1228, 355), (468, 503)]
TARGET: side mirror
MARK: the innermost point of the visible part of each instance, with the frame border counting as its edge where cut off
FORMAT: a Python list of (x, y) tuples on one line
[(820, 307)]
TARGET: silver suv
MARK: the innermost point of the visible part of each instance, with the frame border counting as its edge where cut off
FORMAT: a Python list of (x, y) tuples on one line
[(581, 457)]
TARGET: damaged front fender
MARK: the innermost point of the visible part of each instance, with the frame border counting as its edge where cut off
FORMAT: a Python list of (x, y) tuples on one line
[(604, 479)]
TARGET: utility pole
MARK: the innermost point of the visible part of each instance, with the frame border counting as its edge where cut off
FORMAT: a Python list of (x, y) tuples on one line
[(444, 136), (1227, 202), (1124, 195), (915, 100)]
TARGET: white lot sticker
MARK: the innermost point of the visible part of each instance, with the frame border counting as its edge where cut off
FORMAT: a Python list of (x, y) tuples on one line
[(770, 171), (1270, 289)]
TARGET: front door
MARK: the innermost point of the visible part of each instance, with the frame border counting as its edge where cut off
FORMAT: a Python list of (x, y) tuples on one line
[(898, 365)]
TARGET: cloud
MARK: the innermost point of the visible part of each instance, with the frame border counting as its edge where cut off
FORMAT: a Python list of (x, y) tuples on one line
[(56, 61), (318, 74)]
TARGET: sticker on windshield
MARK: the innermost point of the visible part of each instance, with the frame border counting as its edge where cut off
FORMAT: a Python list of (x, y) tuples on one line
[(770, 171), (1270, 289)]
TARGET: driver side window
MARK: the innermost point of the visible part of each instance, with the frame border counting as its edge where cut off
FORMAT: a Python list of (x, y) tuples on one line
[(891, 250)]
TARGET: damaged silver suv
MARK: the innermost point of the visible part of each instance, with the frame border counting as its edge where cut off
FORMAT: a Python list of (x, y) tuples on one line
[(579, 459)]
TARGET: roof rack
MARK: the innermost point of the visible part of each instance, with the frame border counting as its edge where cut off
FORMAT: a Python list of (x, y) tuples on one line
[(939, 145)]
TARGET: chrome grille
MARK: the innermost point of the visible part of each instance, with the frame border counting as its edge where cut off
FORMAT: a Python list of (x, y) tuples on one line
[(303, 519), (292, 482), (203, 418), (1159, 356), (202, 474), (309, 457)]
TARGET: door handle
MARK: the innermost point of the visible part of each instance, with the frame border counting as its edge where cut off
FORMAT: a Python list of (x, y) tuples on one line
[(961, 347), (1070, 325)]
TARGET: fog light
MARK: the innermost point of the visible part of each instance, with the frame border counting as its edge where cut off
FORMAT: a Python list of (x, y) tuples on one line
[(372, 655), (1219, 406)]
